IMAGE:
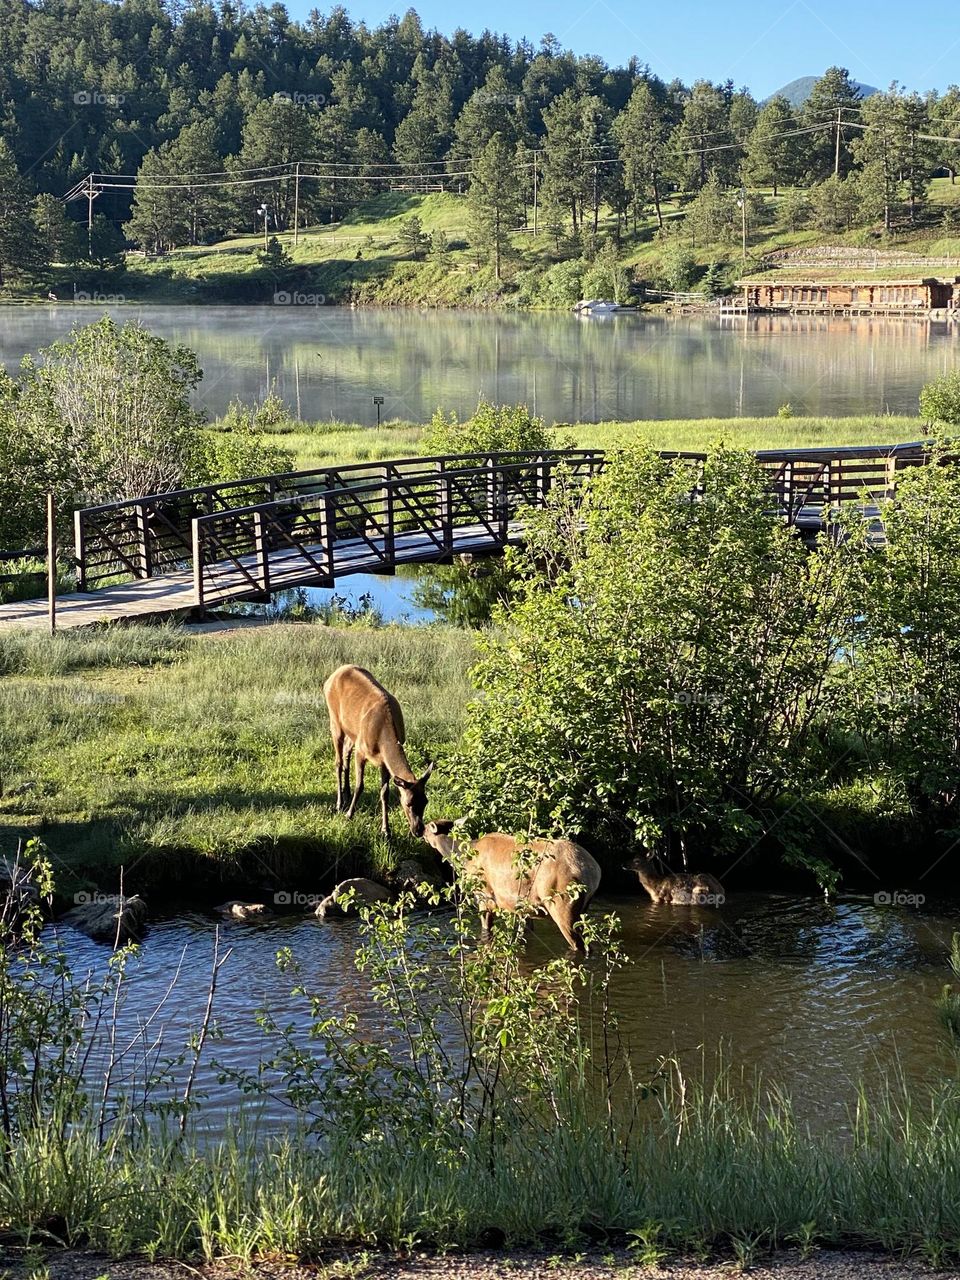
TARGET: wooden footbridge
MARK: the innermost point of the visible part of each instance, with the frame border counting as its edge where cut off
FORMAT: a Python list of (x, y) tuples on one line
[(193, 549)]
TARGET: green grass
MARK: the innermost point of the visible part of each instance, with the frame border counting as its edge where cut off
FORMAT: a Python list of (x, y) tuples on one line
[(719, 1170), (203, 756), (327, 262), (325, 443)]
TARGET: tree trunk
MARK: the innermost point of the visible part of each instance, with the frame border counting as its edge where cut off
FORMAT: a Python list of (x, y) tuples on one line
[(656, 201)]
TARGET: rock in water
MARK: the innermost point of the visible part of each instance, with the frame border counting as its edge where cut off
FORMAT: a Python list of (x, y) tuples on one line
[(364, 891), (109, 917), (244, 910)]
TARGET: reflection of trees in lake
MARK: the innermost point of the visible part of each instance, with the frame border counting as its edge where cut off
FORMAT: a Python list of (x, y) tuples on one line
[(463, 594)]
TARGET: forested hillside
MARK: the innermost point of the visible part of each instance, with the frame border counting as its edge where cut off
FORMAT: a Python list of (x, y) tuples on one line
[(212, 121)]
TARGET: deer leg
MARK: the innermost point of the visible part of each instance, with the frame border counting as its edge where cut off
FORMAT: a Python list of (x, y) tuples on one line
[(361, 764), (338, 741), (384, 800)]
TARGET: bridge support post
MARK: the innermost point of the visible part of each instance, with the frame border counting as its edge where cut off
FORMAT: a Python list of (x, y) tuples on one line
[(389, 531), (544, 480), (328, 532), (197, 563), (143, 538), (262, 551), (80, 550), (444, 509)]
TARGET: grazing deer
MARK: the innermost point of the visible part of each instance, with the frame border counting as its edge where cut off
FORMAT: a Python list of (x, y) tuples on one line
[(493, 861), (367, 719), (696, 889)]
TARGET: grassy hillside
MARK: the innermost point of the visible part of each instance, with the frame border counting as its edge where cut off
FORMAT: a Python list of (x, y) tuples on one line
[(363, 260)]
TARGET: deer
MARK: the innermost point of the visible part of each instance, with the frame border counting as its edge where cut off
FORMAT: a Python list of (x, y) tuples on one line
[(365, 718), (561, 882), (696, 888)]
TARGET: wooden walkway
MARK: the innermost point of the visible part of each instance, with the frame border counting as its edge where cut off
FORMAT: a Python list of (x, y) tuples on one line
[(167, 554)]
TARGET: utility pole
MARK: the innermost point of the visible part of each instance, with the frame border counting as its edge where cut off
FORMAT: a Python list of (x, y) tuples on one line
[(91, 196), (536, 223), (742, 202), (52, 562), (296, 205), (836, 154)]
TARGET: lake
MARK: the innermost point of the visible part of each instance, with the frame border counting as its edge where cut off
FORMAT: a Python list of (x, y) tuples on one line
[(329, 362)]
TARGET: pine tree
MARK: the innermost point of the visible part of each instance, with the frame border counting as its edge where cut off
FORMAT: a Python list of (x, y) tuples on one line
[(772, 158), (21, 253), (494, 199), (59, 234), (642, 132), (834, 97)]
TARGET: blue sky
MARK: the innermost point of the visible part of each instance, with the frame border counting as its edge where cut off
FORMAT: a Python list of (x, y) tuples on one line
[(761, 43)]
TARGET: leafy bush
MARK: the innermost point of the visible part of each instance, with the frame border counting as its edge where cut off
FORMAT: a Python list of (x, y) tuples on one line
[(494, 428), (561, 285), (659, 678), (940, 399), (905, 666), (236, 450)]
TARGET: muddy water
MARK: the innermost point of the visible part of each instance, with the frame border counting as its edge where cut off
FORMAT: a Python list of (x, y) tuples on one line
[(818, 996)]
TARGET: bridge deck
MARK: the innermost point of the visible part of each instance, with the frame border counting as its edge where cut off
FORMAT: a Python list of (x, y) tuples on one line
[(173, 593)]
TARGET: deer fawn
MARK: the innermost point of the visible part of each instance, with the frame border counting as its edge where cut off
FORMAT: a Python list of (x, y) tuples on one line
[(365, 718)]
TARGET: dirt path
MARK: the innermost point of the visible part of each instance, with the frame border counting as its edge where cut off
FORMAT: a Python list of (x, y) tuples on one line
[(822, 1265)]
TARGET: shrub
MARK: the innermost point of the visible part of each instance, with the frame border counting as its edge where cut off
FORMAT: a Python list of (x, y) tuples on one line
[(562, 285), (494, 428), (659, 677), (940, 399)]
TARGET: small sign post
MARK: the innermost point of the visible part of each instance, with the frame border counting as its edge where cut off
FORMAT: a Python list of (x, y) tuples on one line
[(378, 401), (52, 561)]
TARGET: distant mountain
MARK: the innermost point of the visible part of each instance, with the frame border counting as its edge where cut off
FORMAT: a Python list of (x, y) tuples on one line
[(798, 91)]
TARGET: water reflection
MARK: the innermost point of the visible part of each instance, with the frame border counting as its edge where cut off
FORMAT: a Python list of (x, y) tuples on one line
[(332, 361)]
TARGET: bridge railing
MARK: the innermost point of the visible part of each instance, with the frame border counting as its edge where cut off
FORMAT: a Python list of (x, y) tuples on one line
[(216, 529), (144, 536), (407, 513)]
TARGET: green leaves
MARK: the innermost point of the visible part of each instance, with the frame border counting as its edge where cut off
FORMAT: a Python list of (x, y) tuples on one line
[(660, 673)]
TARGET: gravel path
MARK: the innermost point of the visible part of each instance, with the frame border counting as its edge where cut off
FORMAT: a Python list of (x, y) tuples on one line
[(822, 1265)]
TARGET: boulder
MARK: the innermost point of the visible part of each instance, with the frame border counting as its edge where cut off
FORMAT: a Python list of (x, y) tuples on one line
[(108, 917), (364, 891), (235, 910)]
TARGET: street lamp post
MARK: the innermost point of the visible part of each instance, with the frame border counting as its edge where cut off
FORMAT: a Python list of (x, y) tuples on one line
[(266, 213)]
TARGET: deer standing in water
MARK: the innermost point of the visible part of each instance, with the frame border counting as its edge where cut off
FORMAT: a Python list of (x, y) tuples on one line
[(686, 888), (561, 881), (365, 718)]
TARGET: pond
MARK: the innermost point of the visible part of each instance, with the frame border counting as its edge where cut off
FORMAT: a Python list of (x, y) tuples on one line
[(818, 996), (330, 362)]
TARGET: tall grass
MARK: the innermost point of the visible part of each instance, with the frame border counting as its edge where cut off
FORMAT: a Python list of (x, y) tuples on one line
[(323, 444), (705, 1169), (207, 758)]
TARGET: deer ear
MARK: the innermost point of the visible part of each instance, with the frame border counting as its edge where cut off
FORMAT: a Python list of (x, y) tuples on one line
[(430, 768), (403, 784), (442, 826)]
